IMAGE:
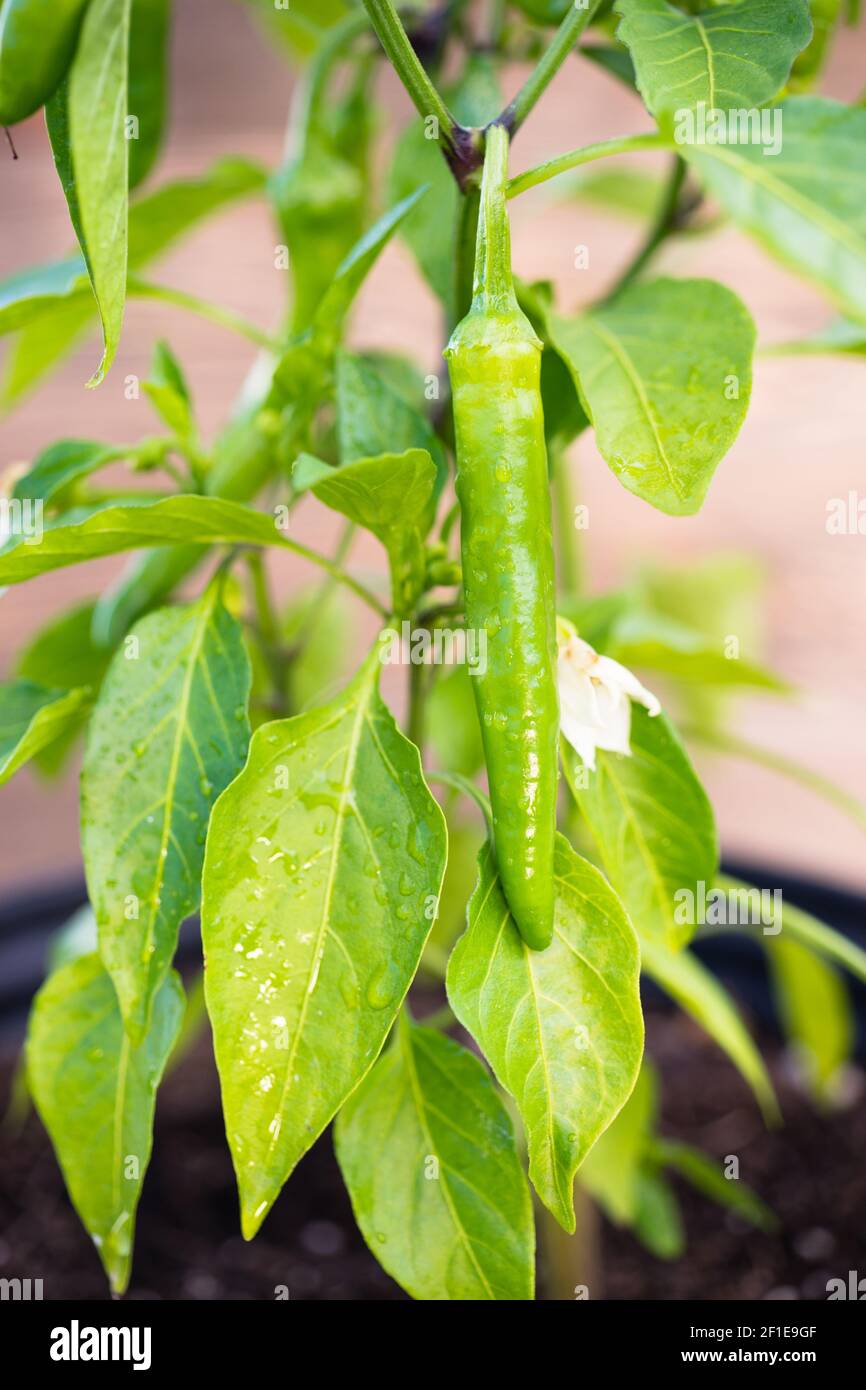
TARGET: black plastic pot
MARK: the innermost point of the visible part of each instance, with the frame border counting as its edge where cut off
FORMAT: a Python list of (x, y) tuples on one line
[(29, 919)]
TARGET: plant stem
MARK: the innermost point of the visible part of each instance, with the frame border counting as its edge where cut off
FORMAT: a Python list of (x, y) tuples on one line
[(585, 155), (319, 70), (458, 144), (571, 1262), (265, 615), (663, 224), (226, 318), (462, 784), (464, 263), (338, 574), (563, 41)]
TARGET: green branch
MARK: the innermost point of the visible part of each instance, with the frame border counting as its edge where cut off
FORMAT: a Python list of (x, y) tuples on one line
[(226, 318), (563, 41), (459, 145), (585, 155)]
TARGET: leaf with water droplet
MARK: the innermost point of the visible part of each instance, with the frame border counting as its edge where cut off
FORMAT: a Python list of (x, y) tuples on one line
[(150, 772), (540, 1016), (344, 921), (665, 374), (96, 1092), (427, 1151)]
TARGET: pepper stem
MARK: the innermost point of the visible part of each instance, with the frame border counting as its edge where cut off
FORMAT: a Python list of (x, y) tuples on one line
[(493, 285)]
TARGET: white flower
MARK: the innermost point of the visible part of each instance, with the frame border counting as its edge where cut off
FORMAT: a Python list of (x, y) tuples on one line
[(595, 694)]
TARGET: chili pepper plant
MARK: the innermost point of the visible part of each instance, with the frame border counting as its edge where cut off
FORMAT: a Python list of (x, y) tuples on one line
[(531, 834)]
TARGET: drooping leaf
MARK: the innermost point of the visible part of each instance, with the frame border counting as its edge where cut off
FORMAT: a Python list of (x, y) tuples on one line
[(562, 1028), (96, 1095), (324, 859), (728, 57), (389, 495), (374, 418), (612, 1169), (168, 733), (53, 305), (88, 139), (682, 976), (62, 463), (808, 931), (658, 1221), (427, 1151), (665, 374), (148, 81), (652, 822), (33, 716), (806, 204), (815, 1010), (707, 1176)]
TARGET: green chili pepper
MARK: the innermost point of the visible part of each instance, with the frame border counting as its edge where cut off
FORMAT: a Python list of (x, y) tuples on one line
[(37, 41), (494, 360)]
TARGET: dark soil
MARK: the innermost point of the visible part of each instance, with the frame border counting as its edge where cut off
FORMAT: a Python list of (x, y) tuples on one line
[(188, 1246)]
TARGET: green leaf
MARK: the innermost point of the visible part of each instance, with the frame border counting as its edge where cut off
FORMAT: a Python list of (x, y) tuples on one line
[(807, 204), (32, 717), (374, 418), (826, 16), (325, 627), (87, 534), (658, 1222), (168, 392), (611, 1171), (63, 463), (682, 976), (652, 822), (63, 649), (427, 1151), (148, 80), (389, 495), (665, 374), (168, 733), (53, 305), (562, 1028), (840, 336), (324, 861), (28, 294), (88, 139), (815, 1010), (464, 845), (706, 1176), (727, 58), (96, 1095), (337, 299), (803, 927), (643, 638)]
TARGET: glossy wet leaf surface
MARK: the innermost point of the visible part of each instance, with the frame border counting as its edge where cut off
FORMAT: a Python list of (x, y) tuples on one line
[(665, 374), (323, 866), (168, 733), (652, 823), (562, 1028), (95, 1093), (428, 1154)]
